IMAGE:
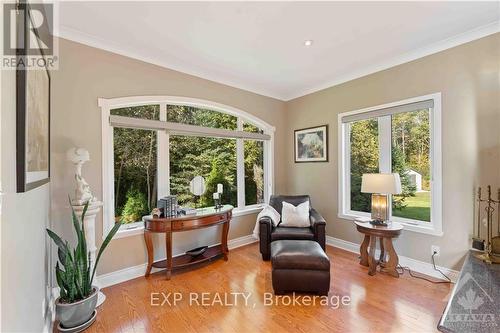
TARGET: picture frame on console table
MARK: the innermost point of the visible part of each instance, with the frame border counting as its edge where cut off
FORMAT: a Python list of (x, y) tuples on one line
[(32, 114), (311, 144)]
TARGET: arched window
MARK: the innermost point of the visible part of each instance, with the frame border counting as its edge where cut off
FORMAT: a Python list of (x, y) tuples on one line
[(154, 145)]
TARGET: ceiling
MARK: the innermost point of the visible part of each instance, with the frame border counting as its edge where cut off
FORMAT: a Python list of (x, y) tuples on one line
[(259, 46)]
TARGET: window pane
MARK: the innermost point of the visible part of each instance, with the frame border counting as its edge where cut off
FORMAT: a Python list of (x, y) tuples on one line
[(247, 127), (200, 117), (151, 112), (135, 173), (254, 172), (364, 159), (212, 158), (411, 159)]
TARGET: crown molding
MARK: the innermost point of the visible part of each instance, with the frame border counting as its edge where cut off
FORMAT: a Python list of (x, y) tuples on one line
[(96, 42), (468, 36)]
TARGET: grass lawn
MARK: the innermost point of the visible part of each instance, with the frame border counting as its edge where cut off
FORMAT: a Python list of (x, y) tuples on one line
[(417, 207)]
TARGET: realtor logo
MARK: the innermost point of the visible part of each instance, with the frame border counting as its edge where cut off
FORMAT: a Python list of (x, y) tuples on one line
[(470, 301), (28, 42), (475, 309)]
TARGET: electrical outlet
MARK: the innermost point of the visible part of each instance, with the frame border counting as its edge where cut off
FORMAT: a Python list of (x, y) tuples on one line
[(435, 250)]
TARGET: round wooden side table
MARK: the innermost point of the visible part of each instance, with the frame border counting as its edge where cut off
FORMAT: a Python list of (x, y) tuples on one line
[(385, 234)]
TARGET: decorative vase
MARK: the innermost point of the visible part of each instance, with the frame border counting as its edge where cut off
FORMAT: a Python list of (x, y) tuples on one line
[(77, 313)]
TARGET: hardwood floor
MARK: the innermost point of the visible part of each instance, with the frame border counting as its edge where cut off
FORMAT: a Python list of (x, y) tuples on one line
[(378, 303)]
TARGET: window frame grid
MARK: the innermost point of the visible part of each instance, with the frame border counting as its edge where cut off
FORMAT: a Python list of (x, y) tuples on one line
[(163, 155), (434, 227)]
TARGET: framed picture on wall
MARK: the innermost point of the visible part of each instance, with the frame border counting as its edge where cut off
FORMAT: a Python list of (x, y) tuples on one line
[(311, 144), (33, 114)]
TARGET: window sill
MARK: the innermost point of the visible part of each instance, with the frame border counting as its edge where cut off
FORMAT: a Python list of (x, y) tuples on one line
[(248, 210), (429, 230), (137, 228), (130, 229)]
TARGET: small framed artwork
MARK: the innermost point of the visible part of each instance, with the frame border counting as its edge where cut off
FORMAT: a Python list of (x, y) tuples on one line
[(33, 117), (311, 144)]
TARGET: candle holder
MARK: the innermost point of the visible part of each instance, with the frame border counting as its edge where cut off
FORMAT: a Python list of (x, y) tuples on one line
[(218, 195), (218, 204), (217, 200)]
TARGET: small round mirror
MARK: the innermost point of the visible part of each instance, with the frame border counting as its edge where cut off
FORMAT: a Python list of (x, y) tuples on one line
[(197, 186)]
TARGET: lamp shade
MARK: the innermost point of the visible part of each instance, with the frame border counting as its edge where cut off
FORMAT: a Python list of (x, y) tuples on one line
[(383, 183)]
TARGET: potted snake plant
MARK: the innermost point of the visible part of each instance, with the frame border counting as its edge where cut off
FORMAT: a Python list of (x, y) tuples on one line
[(77, 297)]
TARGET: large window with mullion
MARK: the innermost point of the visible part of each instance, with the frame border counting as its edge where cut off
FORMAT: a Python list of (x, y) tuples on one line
[(151, 157), (401, 138)]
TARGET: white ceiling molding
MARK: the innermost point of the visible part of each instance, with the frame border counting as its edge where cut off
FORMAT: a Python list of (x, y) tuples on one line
[(263, 52), (83, 38), (448, 43)]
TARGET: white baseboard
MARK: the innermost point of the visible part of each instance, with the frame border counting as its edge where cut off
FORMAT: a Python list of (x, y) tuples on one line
[(241, 241), (414, 265), (133, 272), (122, 275)]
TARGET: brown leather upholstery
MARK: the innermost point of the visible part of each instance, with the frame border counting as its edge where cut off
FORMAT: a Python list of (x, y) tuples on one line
[(269, 233), (293, 254), (299, 265), (292, 233)]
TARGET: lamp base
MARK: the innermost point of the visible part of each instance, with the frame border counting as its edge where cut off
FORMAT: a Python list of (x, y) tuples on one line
[(378, 223), (380, 203)]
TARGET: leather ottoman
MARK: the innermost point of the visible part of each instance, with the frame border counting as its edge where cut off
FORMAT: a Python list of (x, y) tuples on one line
[(299, 265)]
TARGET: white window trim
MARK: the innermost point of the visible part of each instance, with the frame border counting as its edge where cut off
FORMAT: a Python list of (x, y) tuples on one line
[(435, 227), (107, 104)]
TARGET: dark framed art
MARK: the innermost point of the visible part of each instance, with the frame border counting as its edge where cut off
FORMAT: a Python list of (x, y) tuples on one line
[(32, 113), (311, 144)]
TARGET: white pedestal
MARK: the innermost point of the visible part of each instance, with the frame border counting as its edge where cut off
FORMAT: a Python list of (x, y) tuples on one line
[(89, 222)]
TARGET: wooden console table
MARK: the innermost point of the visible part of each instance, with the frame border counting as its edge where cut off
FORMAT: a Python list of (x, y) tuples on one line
[(204, 217), (385, 234)]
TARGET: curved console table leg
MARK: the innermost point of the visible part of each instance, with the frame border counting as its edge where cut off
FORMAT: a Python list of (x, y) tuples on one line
[(168, 248), (393, 261), (363, 250), (225, 232), (149, 246), (382, 258), (372, 262)]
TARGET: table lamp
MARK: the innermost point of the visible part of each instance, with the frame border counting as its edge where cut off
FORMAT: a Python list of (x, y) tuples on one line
[(380, 185)]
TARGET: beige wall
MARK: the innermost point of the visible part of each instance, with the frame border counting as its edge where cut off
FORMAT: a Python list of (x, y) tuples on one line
[(24, 252), (86, 73), (468, 78)]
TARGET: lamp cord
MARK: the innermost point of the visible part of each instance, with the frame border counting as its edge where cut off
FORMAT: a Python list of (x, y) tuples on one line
[(412, 274)]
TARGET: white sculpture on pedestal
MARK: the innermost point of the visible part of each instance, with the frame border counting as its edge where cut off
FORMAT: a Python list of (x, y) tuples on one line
[(83, 194), (78, 156)]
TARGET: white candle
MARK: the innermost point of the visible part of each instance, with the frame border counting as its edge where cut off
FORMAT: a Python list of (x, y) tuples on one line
[(220, 188), (216, 195)]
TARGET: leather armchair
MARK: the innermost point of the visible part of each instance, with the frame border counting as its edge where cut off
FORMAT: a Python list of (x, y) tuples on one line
[(269, 233)]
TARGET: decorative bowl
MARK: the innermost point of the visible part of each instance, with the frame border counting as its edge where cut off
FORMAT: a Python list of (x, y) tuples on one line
[(198, 251)]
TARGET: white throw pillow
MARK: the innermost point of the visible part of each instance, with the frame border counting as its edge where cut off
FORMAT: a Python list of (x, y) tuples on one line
[(270, 212), (292, 216)]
